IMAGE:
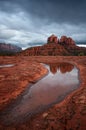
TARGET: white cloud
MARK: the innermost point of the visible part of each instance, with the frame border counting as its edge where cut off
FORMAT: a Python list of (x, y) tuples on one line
[(81, 45)]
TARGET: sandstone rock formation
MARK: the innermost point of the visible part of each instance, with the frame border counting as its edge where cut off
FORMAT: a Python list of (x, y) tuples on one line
[(53, 39), (70, 45), (64, 46), (67, 40)]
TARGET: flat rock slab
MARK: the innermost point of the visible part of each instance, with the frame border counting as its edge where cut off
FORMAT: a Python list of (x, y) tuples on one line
[(70, 114), (14, 79)]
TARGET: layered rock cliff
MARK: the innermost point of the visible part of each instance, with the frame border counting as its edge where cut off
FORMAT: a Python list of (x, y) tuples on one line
[(54, 46)]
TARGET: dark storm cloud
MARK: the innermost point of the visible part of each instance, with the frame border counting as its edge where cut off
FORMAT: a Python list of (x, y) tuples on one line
[(36, 43), (69, 11), (30, 22)]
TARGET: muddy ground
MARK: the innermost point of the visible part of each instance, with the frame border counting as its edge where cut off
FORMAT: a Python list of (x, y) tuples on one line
[(70, 114)]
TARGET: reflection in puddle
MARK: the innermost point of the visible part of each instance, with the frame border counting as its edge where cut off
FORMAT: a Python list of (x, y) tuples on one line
[(64, 67), (7, 65), (53, 88)]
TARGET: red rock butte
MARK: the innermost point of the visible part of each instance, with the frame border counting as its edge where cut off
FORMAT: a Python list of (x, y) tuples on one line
[(67, 40), (64, 46), (63, 39), (53, 39)]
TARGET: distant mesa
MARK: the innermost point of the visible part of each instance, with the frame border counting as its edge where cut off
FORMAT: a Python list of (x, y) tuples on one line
[(65, 46), (8, 49)]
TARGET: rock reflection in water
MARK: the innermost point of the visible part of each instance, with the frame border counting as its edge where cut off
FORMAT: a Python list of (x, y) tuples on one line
[(64, 67), (47, 91)]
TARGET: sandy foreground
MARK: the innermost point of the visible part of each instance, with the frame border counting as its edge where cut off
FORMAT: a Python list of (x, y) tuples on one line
[(70, 114)]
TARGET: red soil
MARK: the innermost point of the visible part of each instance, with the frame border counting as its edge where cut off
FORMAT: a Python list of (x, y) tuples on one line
[(14, 80), (70, 114)]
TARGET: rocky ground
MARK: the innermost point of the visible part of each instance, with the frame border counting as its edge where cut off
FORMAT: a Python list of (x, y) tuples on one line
[(70, 114), (13, 80)]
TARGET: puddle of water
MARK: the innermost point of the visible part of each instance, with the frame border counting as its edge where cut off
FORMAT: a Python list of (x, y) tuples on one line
[(53, 88), (7, 65)]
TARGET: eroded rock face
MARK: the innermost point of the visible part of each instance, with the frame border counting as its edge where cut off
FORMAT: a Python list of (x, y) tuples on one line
[(67, 40), (53, 39), (64, 39), (54, 46)]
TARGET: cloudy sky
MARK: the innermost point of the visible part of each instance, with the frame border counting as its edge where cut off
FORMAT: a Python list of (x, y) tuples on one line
[(30, 22)]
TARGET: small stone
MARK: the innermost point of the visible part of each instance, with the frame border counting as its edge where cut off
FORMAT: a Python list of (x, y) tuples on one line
[(45, 115)]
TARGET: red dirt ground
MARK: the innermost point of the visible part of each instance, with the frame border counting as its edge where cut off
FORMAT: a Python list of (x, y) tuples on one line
[(70, 114)]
